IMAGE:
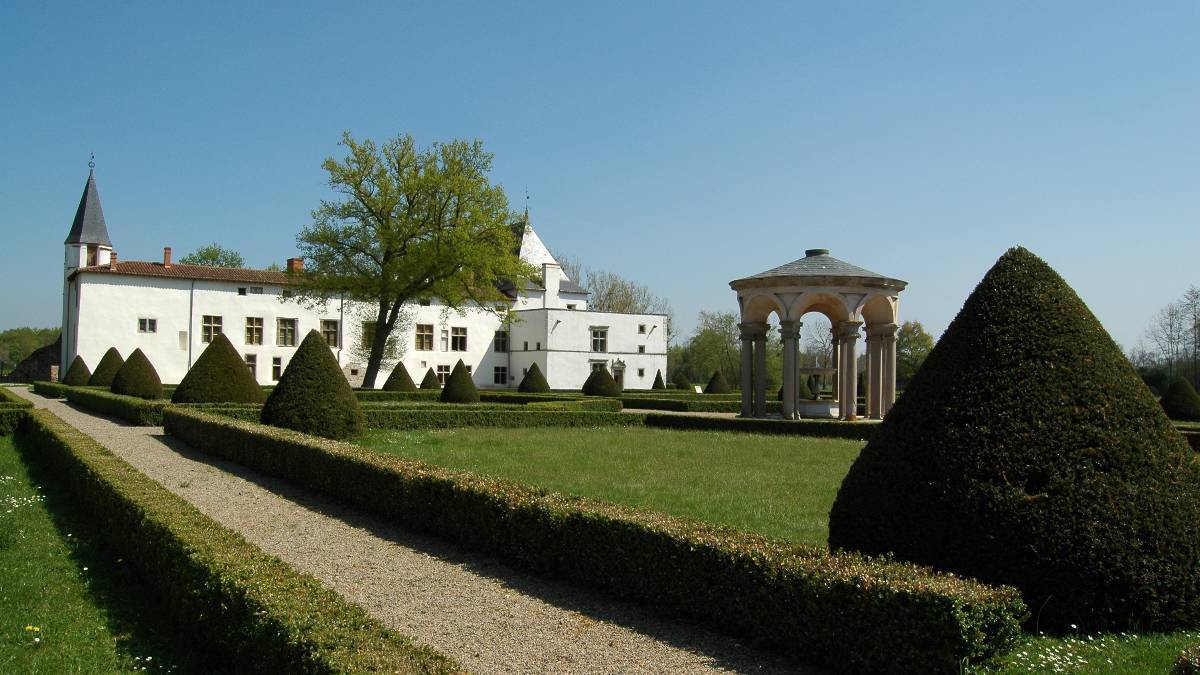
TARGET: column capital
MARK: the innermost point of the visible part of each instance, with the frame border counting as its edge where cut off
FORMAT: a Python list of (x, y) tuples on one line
[(753, 329), (789, 329), (848, 330), (882, 330)]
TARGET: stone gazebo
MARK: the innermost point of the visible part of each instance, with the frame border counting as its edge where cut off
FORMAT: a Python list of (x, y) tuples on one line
[(852, 298)]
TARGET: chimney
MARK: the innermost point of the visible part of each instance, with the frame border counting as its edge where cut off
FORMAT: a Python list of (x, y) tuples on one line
[(295, 265), (166, 256), (551, 276), (112, 259)]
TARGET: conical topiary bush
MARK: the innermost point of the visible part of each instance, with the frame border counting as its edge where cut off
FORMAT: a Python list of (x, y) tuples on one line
[(218, 376), (313, 395), (534, 382), (430, 380), (107, 369), (658, 381), (459, 386), (681, 381), (1077, 491), (717, 384), (137, 377), (399, 380), (78, 374), (601, 383), (1181, 401)]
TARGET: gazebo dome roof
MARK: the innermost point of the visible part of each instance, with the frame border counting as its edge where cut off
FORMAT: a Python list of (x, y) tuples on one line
[(818, 263)]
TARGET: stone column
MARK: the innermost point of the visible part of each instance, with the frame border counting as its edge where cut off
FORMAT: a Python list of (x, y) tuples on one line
[(874, 377), (788, 332), (849, 371), (837, 363), (760, 373), (747, 337), (888, 375)]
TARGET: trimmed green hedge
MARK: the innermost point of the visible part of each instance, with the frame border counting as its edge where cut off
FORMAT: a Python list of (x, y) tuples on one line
[(251, 607), (7, 398), (51, 389), (11, 418), (369, 395), (690, 404), (136, 411), (860, 431), (378, 418), (843, 610)]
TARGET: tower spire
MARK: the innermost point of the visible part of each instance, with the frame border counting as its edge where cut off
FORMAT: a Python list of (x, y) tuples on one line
[(89, 226)]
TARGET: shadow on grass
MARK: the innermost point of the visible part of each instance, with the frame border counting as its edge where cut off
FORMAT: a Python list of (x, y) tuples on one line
[(725, 651), (140, 626)]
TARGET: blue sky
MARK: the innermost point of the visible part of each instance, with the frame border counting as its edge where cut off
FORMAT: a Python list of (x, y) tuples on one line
[(681, 145)]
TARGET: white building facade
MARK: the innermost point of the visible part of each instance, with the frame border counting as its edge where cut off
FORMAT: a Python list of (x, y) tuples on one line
[(172, 311)]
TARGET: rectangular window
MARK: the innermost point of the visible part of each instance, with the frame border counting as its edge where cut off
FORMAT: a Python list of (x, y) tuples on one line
[(538, 347), (254, 330), (641, 349), (500, 342), (570, 306), (287, 293), (500, 375), (443, 372), (424, 337), (368, 341), (252, 364), (276, 368), (641, 329), (458, 339), (242, 290), (599, 339), (641, 372), (285, 332), (597, 365), (147, 325), (526, 345), (210, 327), (445, 340), (256, 290), (469, 370), (329, 330)]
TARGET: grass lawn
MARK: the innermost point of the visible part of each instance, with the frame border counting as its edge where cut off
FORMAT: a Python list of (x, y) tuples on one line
[(778, 486), (782, 487), (66, 605)]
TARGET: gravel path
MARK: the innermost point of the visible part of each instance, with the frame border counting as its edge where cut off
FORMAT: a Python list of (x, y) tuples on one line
[(490, 617)]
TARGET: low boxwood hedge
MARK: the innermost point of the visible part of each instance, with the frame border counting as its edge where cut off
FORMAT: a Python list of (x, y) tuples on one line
[(252, 608), (861, 431), (842, 610), (690, 404), (7, 398), (407, 419), (136, 411), (52, 389)]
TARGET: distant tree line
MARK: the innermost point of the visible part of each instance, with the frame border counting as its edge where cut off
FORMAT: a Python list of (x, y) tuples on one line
[(18, 343), (1171, 345)]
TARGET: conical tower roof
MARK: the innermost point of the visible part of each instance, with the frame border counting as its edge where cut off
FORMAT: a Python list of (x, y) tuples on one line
[(89, 226)]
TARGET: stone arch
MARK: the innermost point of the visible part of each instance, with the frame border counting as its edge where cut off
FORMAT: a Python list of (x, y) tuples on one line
[(850, 297)]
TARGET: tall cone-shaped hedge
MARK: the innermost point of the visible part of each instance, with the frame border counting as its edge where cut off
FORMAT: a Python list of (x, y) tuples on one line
[(137, 377), (534, 382), (601, 383), (399, 380), (1180, 402), (313, 395), (1077, 490), (218, 376), (717, 384), (78, 374), (430, 380), (658, 381), (107, 369), (459, 386)]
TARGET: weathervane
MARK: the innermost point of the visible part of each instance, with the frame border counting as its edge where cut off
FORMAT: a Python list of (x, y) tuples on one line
[(92, 161)]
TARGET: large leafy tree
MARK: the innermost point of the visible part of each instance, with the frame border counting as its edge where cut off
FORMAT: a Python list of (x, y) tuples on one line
[(913, 344), (410, 223), (214, 255)]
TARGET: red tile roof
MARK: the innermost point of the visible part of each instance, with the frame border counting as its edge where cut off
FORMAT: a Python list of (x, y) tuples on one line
[(139, 268)]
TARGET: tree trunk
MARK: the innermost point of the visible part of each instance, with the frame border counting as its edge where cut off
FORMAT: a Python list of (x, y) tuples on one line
[(383, 329)]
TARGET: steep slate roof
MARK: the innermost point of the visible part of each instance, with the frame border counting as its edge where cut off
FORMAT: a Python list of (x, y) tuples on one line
[(89, 227), (140, 268), (817, 263)]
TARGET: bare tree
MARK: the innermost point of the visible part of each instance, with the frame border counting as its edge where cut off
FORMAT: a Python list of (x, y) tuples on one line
[(610, 292), (1168, 333)]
